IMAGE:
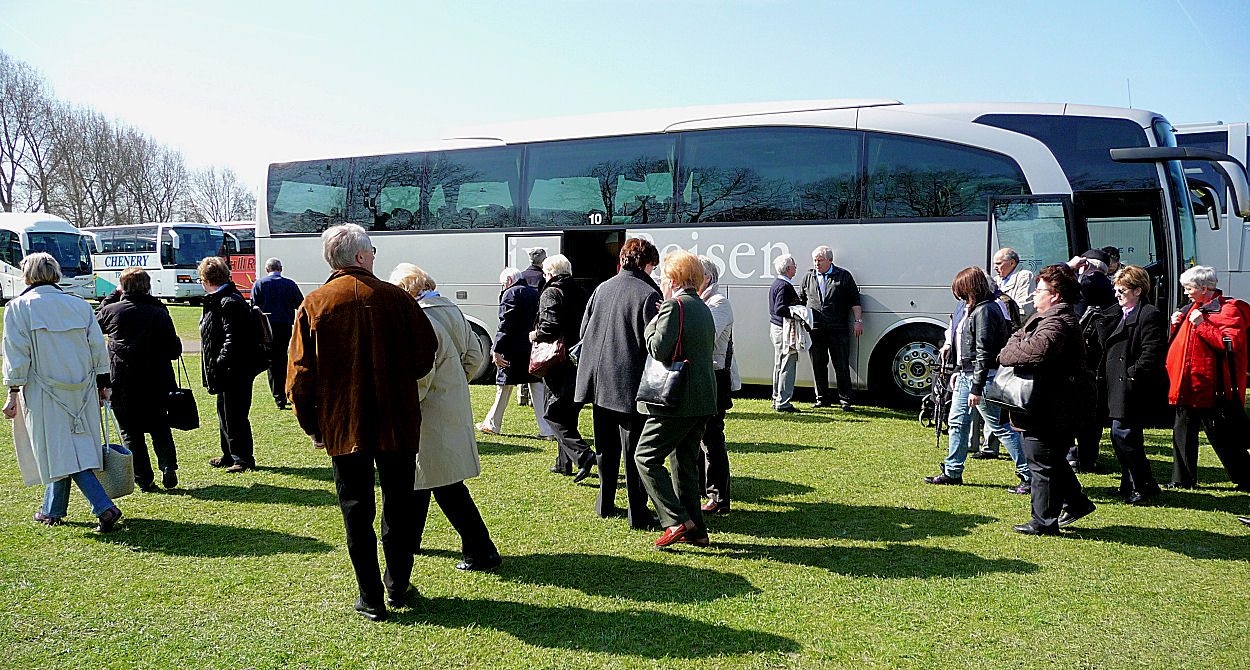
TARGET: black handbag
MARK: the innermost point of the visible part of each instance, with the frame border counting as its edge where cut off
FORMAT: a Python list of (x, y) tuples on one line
[(181, 408), (661, 380), (1010, 389)]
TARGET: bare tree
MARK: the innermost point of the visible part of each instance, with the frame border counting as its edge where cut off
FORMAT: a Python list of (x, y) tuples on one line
[(25, 134), (220, 196)]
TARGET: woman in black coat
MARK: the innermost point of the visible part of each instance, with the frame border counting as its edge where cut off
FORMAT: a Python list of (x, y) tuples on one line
[(1051, 348), (141, 343), (232, 356), (1135, 344), (518, 310), (560, 311), (609, 369)]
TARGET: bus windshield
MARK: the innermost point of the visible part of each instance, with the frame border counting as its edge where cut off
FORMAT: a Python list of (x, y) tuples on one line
[(69, 249), (1165, 136), (194, 244)]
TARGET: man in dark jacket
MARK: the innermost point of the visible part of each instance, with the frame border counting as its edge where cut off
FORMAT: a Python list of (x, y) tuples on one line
[(141, 342), (609, 369), (231, 358), (533, 275), (781, 296), (278, 297), (1097, 295), (831, 294), (358, 349)]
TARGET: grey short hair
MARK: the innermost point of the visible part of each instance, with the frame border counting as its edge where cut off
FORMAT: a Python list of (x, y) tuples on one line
[(710, 270), (1202, 276), (1008, 254), (509, 276), (40, 267), (823, 251), (557, 265), (341, 243), (782, 262), (273, 265)]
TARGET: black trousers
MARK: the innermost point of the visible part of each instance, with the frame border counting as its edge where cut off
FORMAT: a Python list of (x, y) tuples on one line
[(1055, 486), (458, 506), (835, 346), (277, 360), (233, 405), (616, 434), (1130, 448), (1085, 452), (132, 425), (714, 467), (561, 414), (353, 479), (1228, 445)]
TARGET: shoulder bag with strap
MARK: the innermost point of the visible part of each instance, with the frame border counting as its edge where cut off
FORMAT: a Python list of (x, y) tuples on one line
[(661, 380), (182, 411), (546, 355)]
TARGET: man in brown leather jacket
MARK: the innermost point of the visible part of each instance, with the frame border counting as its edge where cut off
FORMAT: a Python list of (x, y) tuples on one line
[(358, 347)]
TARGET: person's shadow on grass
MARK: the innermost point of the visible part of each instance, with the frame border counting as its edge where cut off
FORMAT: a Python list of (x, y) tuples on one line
[(897, 561), (187, 538), (621, 577), (630, 632), (262, 493), (878, 523), (1193, 543)]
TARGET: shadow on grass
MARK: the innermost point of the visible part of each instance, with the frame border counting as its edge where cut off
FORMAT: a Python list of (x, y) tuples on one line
[(765, 448), (755, 489), (899, 561), (262, 493), (620, 577), (323, 473), (185, 538), (645, 634), (804, 416), (1190, 542), (856, 522), (504, 448), (1204, 499)]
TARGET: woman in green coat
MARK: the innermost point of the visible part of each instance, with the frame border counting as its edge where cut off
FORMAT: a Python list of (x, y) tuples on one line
[(682, 330)]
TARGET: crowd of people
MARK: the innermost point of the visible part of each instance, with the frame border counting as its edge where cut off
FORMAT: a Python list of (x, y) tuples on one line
[(342, 357)]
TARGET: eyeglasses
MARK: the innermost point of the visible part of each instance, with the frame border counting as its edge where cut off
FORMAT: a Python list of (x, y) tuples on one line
[(375, 250), (1041, 290), (1120, 290)]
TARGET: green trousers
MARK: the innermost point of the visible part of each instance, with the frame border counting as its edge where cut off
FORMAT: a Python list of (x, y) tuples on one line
[(676, 495)]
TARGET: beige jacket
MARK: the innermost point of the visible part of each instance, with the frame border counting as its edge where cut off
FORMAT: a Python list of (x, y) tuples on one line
[(448, 444)]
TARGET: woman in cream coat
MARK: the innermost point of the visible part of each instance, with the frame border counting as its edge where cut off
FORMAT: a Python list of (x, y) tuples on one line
[(448, 454), (57, 371)]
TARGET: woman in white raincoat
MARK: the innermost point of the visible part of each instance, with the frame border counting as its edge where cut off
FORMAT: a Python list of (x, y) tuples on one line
[(57, 371), (448, 453)]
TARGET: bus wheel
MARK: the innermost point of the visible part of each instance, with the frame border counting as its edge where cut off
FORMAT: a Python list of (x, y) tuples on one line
[(903, 365), (485, 373)]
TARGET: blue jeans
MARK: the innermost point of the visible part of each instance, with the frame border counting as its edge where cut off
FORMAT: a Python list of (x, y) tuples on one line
[(961, 427), (56, 494)]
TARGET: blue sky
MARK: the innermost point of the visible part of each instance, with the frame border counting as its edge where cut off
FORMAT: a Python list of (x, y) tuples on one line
[(242, 84)]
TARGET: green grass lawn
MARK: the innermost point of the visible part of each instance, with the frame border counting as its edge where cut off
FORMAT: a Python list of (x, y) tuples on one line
[(835, 554)]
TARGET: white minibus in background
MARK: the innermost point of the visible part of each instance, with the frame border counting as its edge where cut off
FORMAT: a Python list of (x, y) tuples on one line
[(905, 195), (1223, 245), (22, 234), (168, 251)]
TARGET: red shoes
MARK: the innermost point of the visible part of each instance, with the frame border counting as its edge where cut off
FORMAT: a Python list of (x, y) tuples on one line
[(684, 534)]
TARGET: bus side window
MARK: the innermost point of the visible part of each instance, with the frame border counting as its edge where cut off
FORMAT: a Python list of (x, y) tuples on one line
[(10, 248), (167, 248)]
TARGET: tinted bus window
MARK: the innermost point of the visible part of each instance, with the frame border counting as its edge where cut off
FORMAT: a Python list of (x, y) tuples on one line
[(307, 197), (386, 191), (471, 188), (619, 180), (914, 177), (769, 174), (1081, 144)]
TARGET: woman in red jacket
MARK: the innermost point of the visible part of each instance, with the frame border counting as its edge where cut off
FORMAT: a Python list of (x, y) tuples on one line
[(1200, 377)]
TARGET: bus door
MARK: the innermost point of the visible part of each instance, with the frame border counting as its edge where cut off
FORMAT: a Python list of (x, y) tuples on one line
[(1040, 228), (594, 254), (517, 247), (1133, 222)]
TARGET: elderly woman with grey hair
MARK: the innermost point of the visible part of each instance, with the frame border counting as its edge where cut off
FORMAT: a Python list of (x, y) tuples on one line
[(57, 370), (518, 310), (781, 296), (1207, 353), (714, 469)]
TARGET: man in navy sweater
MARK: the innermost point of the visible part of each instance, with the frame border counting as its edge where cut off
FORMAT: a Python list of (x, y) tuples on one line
[(781, 295), (278, 297)]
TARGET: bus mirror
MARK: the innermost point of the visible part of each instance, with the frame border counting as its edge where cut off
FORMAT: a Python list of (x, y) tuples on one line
[(1209, 200), (174, 241), (1230, 168)]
